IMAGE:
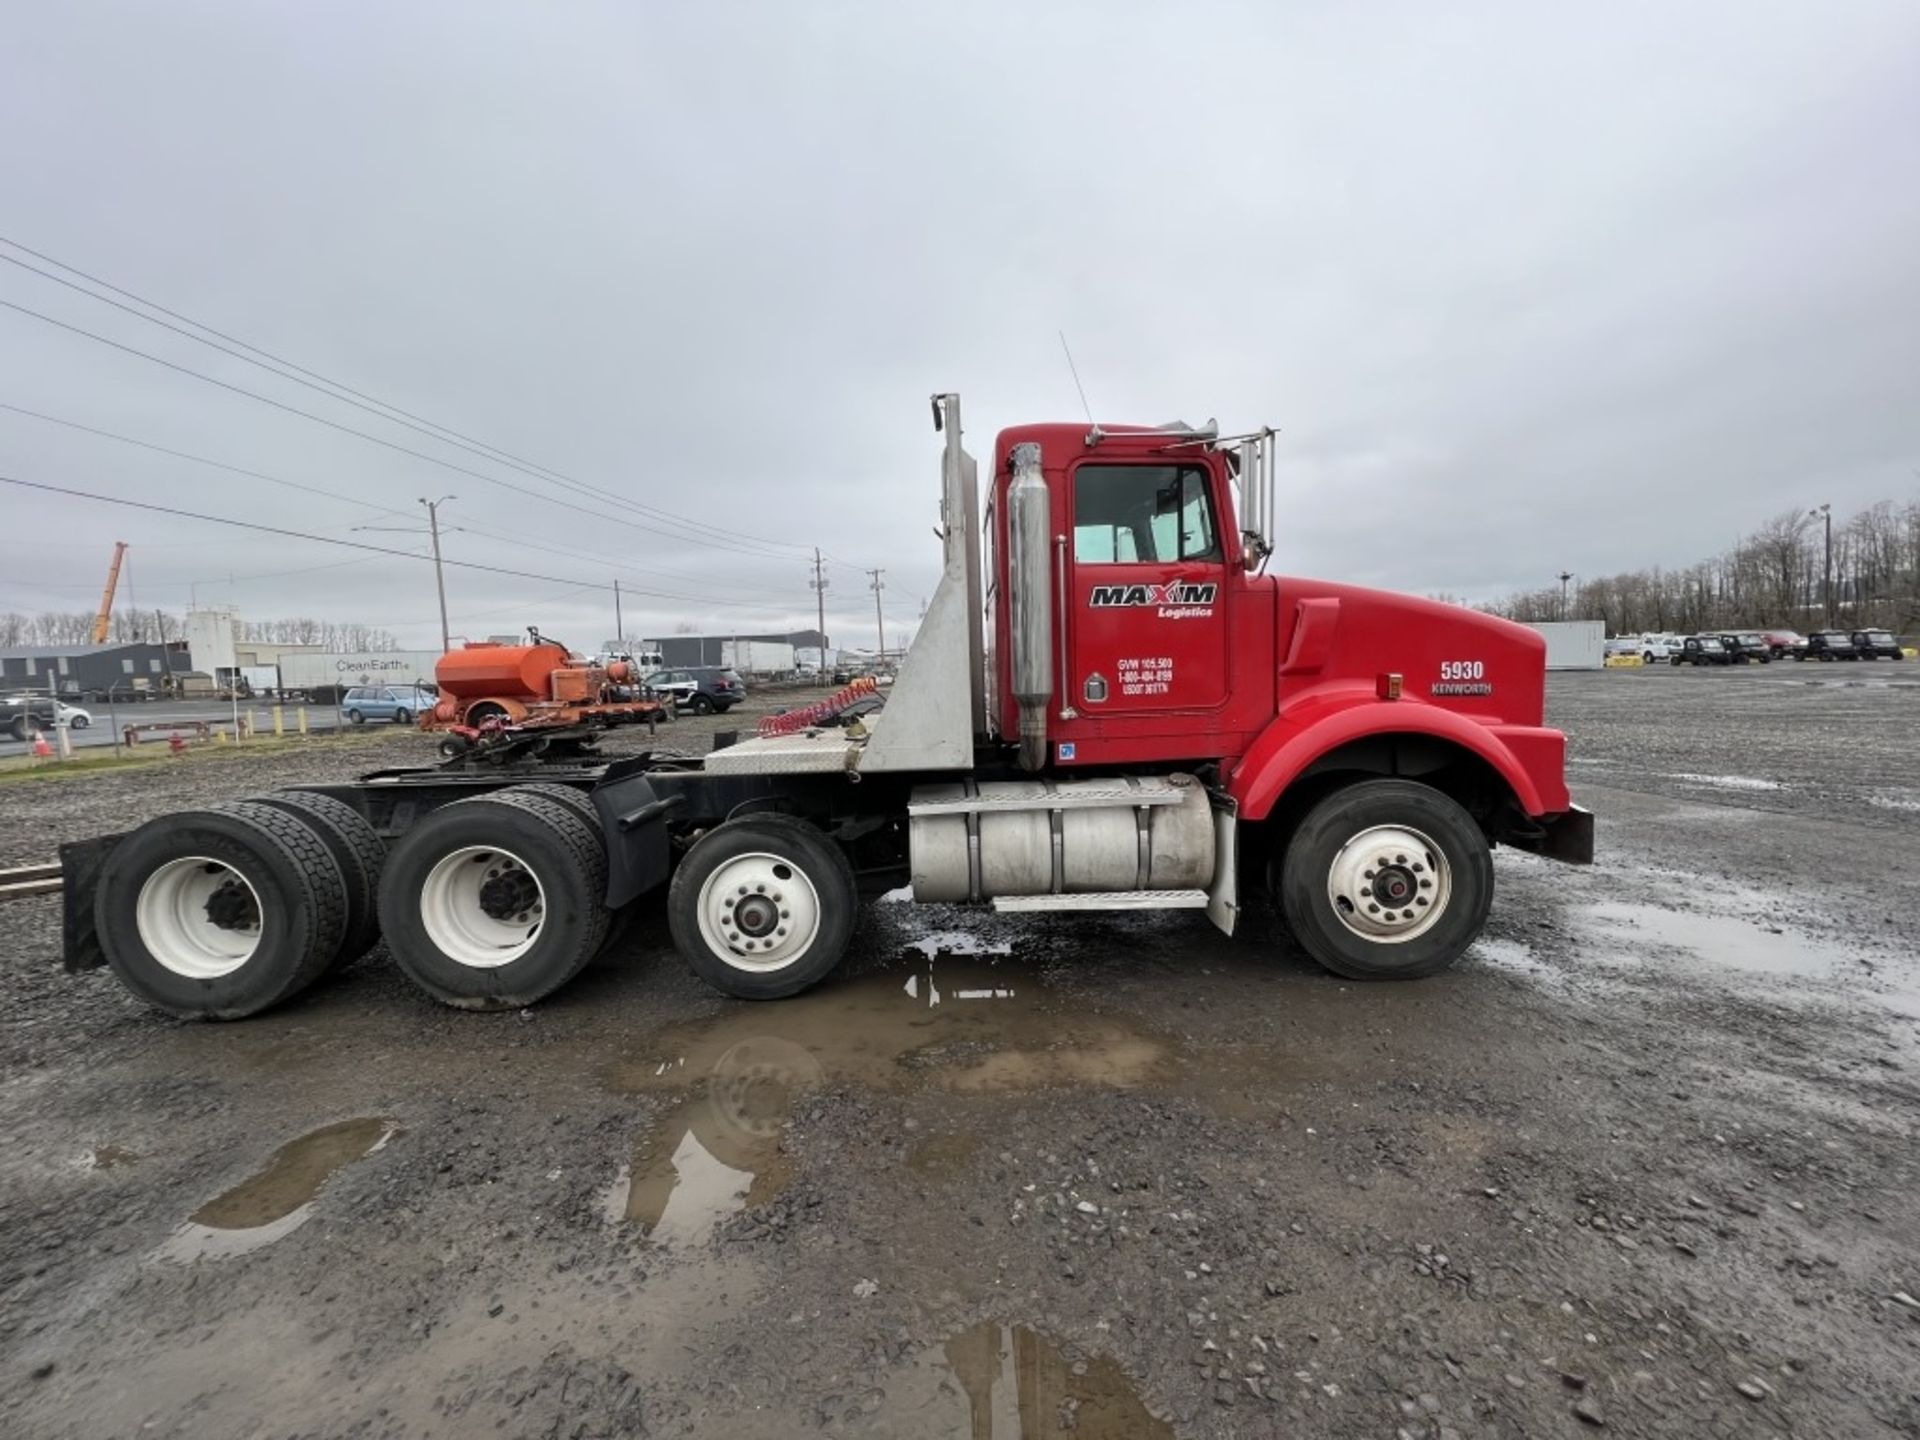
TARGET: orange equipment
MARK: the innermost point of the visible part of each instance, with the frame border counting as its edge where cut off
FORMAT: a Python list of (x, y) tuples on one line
[(535, 686), (104, 620)]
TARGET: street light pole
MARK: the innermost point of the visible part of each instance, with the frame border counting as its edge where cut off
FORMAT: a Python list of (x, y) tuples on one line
[(1565, 576), (1825, 512)]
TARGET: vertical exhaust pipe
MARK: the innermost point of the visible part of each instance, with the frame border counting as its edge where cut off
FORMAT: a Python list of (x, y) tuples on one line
[(1029, 530)]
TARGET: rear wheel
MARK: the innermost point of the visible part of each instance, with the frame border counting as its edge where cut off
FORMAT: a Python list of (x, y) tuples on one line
[(1386, 880), (78, 722), (763, 907), (700, 705), (493, 903), (356, 848), (220, 913), (402, 716)]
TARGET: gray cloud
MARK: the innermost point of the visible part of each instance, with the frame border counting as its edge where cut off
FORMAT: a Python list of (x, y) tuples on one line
[(1527, 289)]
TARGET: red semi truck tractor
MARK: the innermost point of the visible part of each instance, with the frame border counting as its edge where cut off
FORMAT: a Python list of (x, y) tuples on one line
[(1108, 706)]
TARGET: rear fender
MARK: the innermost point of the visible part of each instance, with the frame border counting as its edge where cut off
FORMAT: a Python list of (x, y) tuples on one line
[(1292, 743)]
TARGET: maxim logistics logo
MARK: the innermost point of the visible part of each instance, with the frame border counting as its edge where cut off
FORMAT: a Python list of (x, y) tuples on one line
[(1173, 592)]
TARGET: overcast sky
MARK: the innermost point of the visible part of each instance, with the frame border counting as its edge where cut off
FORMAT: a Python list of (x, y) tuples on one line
[(1527, 287)]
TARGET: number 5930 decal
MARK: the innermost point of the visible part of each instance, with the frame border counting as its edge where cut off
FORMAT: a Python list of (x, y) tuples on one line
[(1462, 670)]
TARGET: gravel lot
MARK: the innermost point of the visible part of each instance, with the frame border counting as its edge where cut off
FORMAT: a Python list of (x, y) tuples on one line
[(1646, 1162)]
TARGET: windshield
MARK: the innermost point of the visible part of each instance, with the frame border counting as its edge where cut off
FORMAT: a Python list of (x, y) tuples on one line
[(1880, 637), (1711, 643)]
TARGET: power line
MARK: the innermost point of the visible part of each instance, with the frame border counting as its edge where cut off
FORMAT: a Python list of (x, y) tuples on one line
[(200, 459), (348, 544), (379, 440), (517, 540), (335, 390)]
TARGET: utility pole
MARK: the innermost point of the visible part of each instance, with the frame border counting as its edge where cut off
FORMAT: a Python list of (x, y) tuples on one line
[(879, 620), (1565, 576), (819, 585), (1825, 512), (619, 629), (439, 574)]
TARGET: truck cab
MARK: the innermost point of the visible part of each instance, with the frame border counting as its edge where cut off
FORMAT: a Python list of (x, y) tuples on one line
[(1110, 705)]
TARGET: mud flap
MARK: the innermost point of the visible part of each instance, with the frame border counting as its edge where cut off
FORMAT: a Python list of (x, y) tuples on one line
[(80, 864), (1223, 895), (1567, 838), (634, 820)]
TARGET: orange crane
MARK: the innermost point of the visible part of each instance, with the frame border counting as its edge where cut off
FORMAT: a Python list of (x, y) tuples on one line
[(105, 617)]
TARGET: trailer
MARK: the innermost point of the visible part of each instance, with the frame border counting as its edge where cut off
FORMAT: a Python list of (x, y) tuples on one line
[(1109, 706), (757, 657)]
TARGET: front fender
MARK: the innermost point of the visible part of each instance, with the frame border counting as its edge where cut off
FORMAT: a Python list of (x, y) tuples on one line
[(1302, 735)]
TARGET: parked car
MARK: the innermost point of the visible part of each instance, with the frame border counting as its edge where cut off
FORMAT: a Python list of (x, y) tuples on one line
[(1784, 643), (22, 714), (1656, 647), (402, 704), (1872, 644), (1746, 645), (1700, 650), (1831, 645), (1622, 645), (703, 689)]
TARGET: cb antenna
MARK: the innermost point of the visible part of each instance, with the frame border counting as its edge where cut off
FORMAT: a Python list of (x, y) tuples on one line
[(1074, 371)]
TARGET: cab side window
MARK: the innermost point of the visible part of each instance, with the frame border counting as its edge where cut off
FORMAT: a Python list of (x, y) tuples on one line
[(1142, 514)]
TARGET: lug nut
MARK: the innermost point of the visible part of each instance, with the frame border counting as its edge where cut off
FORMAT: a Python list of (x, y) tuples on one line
[(1418, 867), (786, 914), (1373, 909), (1366, 874), (743, 889), (1426, 884), (1399, 859), (1419, 899)]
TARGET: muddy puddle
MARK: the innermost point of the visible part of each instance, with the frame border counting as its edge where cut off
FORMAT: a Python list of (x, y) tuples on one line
[(960, 1026), (110, 1157), (1005, 1382), (1731, 942), (280, 1197)]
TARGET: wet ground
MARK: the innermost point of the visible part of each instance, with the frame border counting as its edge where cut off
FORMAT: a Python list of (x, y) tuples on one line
[(1645, 1162)]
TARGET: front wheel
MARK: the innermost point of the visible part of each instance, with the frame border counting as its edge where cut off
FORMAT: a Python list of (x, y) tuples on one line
[(1386, 880), (762, 907), (78, 722), (354, 717)]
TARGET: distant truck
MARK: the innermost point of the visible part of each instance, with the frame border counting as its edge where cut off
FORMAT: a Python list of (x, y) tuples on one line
[(325, 676), (757, 657)]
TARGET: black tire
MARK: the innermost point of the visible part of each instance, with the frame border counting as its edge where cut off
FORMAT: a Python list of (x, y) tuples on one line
[(1646, 657), (301, 912), (1338, 820), (556, 846), (453, 747), (402, 716), (357, 849), (798, 846), (700, 705), (354, 717), (18, 731), (574, 800), (78, 722), (484, 711)]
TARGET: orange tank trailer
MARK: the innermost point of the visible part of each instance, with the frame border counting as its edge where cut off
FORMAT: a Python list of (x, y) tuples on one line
[(536, 685)]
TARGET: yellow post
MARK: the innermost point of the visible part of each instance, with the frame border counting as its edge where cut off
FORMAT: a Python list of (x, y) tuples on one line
[(279, 720), (219, 737), (301, 713)]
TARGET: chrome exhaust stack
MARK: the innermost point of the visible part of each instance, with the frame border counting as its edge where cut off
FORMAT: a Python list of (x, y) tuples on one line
[(1029, 538)]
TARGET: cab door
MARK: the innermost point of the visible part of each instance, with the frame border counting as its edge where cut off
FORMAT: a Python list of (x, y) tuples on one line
[(1147, 596)]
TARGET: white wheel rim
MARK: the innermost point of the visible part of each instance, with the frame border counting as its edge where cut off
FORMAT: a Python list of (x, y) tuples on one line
[(1389, 884), (482, 906), (198, 917), (759, 912)]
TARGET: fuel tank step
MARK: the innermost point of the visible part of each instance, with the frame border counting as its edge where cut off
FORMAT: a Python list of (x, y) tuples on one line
[(1106, 900)]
